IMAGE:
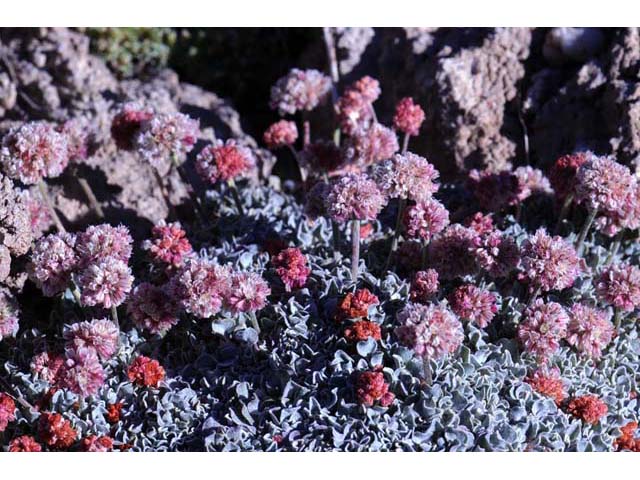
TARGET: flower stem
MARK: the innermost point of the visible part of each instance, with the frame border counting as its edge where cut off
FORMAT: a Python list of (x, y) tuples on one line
[(88, 192), (396, 233), (563, 211), (615, 246), (534, 296), (165, 195), (47, 200), (405, 143), (585, 230), (428, 374), (301, 168), (336, 240), (114, 316), (236, 197), (355, 249), (617, 319)]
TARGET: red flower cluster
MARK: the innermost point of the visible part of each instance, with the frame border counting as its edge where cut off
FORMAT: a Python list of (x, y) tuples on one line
[(291, 267), (145, 372), (356, 305), (362, 330), (588, 408), (408, 117), (169, 244), (114, 411), (371, 387), (548, 383), (7, 411), (55, 431), (24, 443), (627, 440)]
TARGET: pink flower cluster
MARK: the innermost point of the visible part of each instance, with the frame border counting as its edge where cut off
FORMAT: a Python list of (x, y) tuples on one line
[(588, 408), (546, 381), (354, 197), (408, 176), (452, 253), (355, 106), (590, 330), (299, 90), (549, 263), (34, 151), (166, 136), (424, 286), (369, 146), (7, 411), (408, 117), (53, 260), (9, 312), (281, 134), (371, 388), (544, 326), (426, 219), (431, 331), (474, 304), (153, 308), (126, 124), (619, 285)]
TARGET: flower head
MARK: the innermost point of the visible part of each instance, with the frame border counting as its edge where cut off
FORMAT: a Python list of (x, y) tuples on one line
[(431, 331), (281, 134), (588, 408), (55, 431), (201, 286), (371, 145), (291, 266), (316, 200), (24, 443), (299, 90), (81, 372), (547, 382), (46, 366), (164, 136), (356, 304), (603, 184), (368, 87), (497, 254), (37, 212), (480, 223), (590, 330), (53, 260), (168, 245), (248, 292), (544, 325), (100, 242), (7, 411), (105, 283), (355, 112), (407, 176), (224, 161), (371, 387), (33, 151), (627, 440), (76, 131), (533, 181), (563, 173), (100, 335), (452, 253), (619, 285), (93, 443), (127, 122), (362, 330), (114, 412), (153, 308), (145, 372), (9, 312), (426, 219), (424, 286), (354, 197), (549, 263), (408, 117), (475, 304)]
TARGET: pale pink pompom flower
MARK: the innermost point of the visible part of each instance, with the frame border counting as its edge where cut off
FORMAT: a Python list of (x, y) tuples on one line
[(100, 335), (201, 286), (544, 326), (354, 197), (603, 184), (248, 292), (81, 372), (9, 312), (99, 242), (299, 90), (166, 136), (426, 219), (153, 308), (407, 176), (105, 283), (590, 330), (53, 260), (431, 331), (619, 285), (474, 304)]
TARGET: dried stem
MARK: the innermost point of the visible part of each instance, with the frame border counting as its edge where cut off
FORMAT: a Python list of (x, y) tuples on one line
[(114, 316), (335, 228), (47, 200), (355, 249), (88, 192), (405, 143)]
